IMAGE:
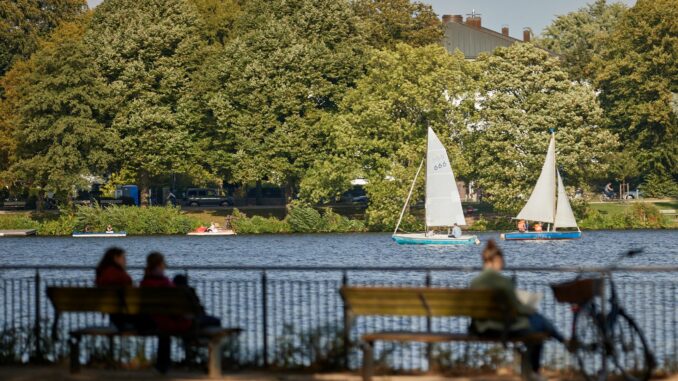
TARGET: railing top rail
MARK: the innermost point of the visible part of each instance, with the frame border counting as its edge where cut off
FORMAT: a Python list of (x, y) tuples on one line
[(567, 269)]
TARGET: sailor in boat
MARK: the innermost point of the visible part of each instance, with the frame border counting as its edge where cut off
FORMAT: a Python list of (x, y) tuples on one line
[(456, 232), (522, 226), (537, 227), (109, 229)]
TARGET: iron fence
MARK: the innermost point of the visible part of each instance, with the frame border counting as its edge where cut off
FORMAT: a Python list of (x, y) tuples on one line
[(293, 317)]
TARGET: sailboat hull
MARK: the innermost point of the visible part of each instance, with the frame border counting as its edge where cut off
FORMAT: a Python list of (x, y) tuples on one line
[(437, 239), (534, 236)]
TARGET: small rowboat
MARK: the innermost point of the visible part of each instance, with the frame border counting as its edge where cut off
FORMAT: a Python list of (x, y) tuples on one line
[(99, 234), (216, 233)]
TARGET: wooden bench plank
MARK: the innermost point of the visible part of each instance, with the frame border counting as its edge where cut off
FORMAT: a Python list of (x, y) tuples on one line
[(438, 337)]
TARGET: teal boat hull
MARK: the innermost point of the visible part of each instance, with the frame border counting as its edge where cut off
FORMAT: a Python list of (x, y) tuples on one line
[(534, 236), (422, 239)]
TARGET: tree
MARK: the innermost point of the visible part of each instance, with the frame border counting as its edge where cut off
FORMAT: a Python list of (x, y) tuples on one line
[(637, 74), (388, 22), (291, 63), (60, 114), (146, 51), (380, 132), (219, 17), (579, 36), (23, 22), (525, 93)]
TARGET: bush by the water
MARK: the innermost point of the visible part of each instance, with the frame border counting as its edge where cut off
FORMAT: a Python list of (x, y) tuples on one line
[(300, 219), (133, 220), (638, 216)]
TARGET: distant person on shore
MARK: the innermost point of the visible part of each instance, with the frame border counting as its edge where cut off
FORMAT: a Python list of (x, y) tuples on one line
[(110, 272), (521, 226), (609, 191), (529, 320), (154, 276)]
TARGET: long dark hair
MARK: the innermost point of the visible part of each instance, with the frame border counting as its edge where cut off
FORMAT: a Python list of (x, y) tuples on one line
[(153, 261), (108, 260)]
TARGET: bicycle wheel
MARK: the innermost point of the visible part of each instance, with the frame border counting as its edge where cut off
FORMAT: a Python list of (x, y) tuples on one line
[(630, 351), (590, 352)]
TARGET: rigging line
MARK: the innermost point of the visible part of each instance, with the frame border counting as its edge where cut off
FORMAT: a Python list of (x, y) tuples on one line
[(402, 212)]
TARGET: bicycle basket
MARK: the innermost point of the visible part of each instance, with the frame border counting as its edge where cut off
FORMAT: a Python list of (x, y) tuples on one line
[(577, 291)]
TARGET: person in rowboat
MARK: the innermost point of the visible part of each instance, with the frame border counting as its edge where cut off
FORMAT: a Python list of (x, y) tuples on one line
[(109, 229)]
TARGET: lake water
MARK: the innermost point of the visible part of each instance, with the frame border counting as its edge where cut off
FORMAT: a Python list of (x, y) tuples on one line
[(596, 248)]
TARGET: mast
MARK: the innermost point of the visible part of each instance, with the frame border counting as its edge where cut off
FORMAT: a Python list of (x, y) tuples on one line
[(407, 201)]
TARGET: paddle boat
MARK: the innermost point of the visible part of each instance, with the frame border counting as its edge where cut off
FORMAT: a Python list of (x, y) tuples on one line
[(443, 204), (549, 204)]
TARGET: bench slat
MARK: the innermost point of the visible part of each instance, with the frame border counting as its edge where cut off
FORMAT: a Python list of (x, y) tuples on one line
[(414, 301), (438, 337)]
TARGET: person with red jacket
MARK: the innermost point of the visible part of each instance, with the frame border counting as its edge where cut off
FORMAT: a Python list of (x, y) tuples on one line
[(154, 276), (110, 272)]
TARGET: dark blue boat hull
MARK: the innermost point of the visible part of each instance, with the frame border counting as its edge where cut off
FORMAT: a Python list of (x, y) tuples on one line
[(534, 236)]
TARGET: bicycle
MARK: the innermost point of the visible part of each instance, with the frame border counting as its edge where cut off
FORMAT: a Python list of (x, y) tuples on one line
[(603, 335)]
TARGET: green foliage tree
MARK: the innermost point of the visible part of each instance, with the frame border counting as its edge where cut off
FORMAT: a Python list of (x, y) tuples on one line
[(580, 35), (525, 93), (380, 132), (24, 22), (290, 63), (219, 17), (146, 51), (388, 22), (637, 74), (60, 114)]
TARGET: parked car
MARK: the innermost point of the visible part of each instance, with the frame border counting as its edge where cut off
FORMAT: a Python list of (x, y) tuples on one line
[(206, 197)]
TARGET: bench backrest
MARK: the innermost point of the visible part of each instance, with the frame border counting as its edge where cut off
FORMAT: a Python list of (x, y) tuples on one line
[(126, 300), (427, 301)]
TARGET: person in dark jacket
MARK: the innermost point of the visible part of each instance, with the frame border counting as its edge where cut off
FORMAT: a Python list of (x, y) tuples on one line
[(110, 272), (154, 276)]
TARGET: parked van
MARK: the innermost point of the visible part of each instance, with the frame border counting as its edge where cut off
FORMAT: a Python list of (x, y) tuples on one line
[(206, 197)]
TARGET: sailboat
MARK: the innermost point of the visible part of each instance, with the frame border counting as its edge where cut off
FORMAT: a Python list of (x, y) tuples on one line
[(443, 204), (548, 203)]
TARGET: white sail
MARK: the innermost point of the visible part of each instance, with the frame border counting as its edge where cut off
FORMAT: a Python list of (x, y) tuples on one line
[(542, 202), (564, 216), (443, 204)]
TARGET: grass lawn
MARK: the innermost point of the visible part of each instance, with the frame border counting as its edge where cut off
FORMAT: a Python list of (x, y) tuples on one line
[(619, 207)]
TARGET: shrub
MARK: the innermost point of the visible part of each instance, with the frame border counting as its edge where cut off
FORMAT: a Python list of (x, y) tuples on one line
[(257, 224), (304, 219), (14, 221), (660, 186)]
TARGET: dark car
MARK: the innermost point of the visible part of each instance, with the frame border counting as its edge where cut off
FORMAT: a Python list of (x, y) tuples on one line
[(207, 197)]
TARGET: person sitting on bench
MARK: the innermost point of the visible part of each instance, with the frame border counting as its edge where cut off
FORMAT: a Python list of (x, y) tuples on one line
[(203, 320), (529, 320), (154, 276), (110, 272)]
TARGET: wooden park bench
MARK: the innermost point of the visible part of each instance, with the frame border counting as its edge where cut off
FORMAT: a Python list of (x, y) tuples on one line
[(180, 301), (431, 302)]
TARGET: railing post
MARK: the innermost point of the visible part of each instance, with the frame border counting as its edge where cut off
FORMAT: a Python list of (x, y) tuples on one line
[(264, 313), (347, 324), (429, 325), (37, 330)]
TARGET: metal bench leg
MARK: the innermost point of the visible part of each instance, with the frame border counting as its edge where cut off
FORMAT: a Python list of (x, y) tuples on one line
[(214, 349), (74, 343), (525, 364), (368, 360)]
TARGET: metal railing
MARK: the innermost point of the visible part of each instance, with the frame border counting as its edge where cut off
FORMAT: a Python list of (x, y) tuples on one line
[(293, 317)]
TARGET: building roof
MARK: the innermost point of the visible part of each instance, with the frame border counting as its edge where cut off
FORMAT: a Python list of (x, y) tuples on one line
[(473, 40)]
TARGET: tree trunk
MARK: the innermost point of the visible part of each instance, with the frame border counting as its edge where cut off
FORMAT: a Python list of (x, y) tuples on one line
[(40, 201), (259, 194)]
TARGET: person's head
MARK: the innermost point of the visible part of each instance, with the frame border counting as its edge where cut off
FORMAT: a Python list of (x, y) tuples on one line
[(113, 257), (455, 224), (492, 256), (155, 262)]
